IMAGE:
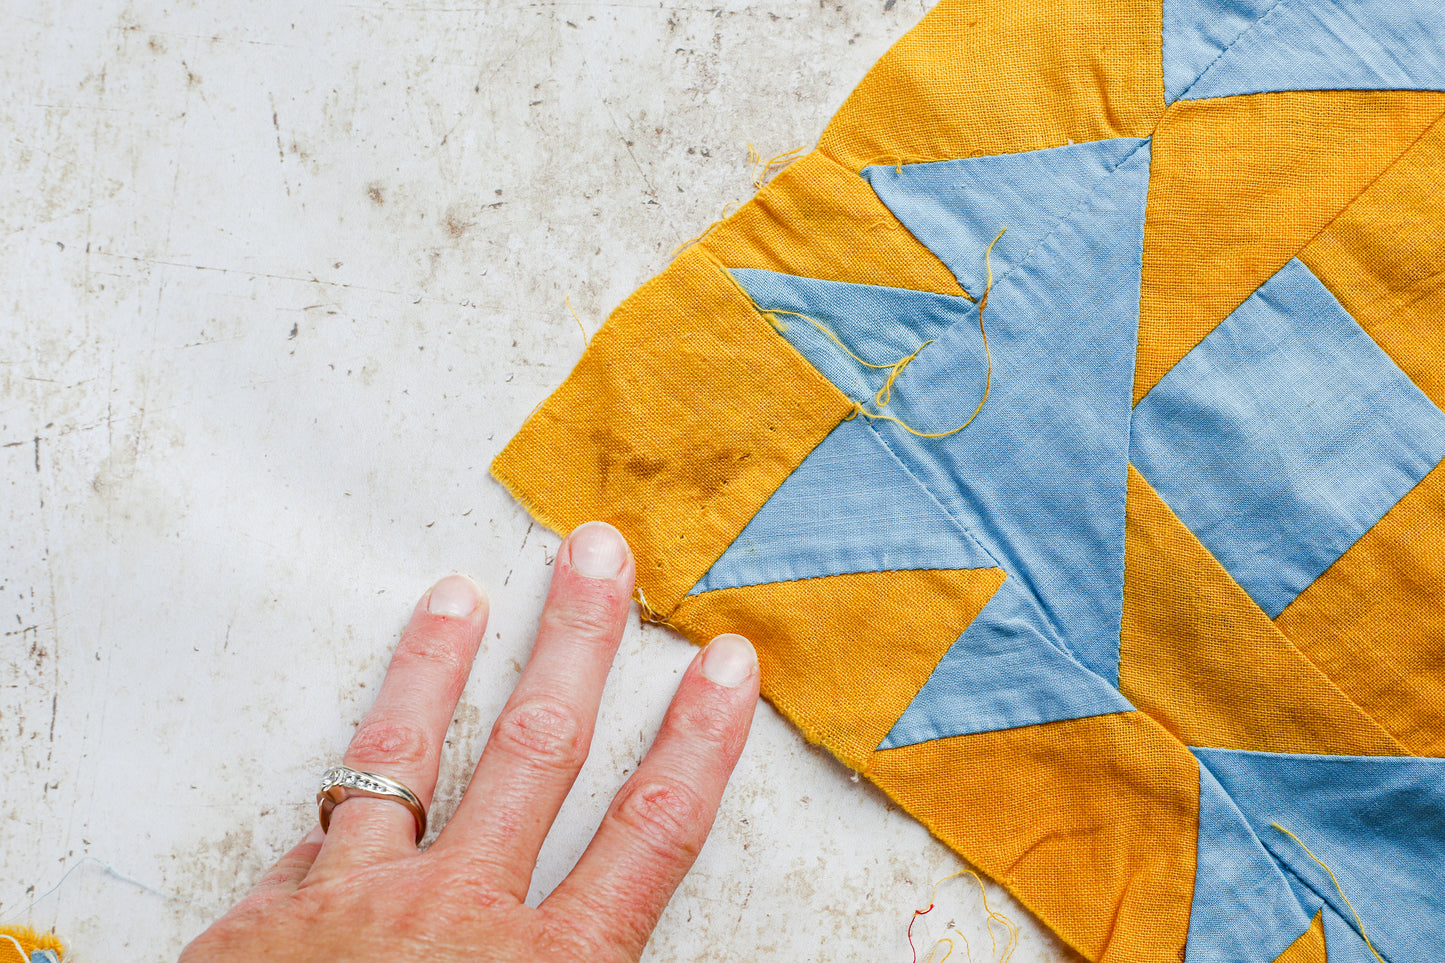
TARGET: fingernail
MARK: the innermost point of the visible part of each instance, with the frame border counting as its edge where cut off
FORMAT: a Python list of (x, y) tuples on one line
[(315, 836), (454, 597), (598, 550), (729, 660)]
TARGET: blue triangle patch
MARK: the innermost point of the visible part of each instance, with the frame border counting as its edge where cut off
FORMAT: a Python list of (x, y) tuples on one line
[(1244, 910), (957, 207), (849, 507), (1378, 822), (1002, 674), (1225, 48)]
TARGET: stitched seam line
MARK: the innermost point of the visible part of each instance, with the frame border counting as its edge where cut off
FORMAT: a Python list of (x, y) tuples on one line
[(1088, 198), (1404, 750), (1287, 870), (861, 571), (1057, 640), (1184, 94), (1429, 128)]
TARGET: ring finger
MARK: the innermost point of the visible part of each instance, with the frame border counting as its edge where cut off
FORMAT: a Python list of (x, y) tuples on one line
[(402, 736)]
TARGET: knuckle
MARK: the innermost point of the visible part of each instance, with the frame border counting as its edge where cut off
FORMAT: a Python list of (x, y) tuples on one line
[(668, 815), (708, 721), (545, 732), (591, 929), (478, 876), (431, 649), (565, 939), (390, 741), (587, 617)]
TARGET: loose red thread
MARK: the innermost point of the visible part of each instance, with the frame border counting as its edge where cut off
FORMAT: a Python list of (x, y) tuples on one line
[(1009, 925), (916, 914)]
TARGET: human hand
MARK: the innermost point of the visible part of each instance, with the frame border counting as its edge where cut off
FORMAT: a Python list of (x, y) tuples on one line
[(363, 891)]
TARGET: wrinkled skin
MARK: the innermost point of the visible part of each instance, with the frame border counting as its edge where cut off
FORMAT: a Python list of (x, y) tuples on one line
[(364, 892)]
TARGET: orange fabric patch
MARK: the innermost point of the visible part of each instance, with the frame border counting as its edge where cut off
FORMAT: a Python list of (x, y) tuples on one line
[(1375, 622), (684, 415), (1310, 947), (1381, 259), (818, 220), (822, 643), (1203, 659), (1003, 77), (1091, 823), (1238, 186), (28, 941)]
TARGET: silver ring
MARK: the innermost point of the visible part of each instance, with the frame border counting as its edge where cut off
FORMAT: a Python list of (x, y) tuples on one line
[(340, 783)]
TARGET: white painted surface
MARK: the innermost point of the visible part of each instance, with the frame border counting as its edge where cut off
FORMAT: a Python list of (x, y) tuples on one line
[(276, 283)]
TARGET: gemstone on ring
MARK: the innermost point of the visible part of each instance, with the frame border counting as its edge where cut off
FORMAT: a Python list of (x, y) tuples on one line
[(340, 783)]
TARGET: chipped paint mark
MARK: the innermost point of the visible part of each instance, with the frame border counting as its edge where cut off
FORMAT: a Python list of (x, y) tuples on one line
[(280, 150)]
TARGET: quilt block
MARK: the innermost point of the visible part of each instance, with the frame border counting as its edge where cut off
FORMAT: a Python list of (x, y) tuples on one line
[(1066, 432)]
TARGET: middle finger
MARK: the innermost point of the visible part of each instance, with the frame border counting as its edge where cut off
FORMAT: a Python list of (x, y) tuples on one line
[(541, 738)]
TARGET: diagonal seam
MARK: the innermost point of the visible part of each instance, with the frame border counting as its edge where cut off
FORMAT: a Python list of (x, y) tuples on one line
[(1055, 637), (1404, 750), (1145, 143), (1324, 898), (1409, 149), (1369, 186), (1087, 197), (1184, 94)]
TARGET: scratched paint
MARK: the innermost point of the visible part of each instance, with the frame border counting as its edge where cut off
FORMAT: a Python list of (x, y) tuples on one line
[(279, 282)]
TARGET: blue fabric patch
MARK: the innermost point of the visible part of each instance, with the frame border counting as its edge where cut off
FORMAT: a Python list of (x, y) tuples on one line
[(1223, 48), (1377, 821), (1284, 436), (878, 324), (1003, 675), (1196, 32), (849, 507), (1039, 476), (1244, 910), (957, 207), (1343, 944)]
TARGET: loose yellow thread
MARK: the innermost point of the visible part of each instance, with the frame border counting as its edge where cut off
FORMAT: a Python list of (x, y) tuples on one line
[(934, 949), (774, 316), (1009, 925), (706, 231), (761, 169), (885, 393), (858, 408), (585, 342), (1338, 888), (896, 161), (646, 612)]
